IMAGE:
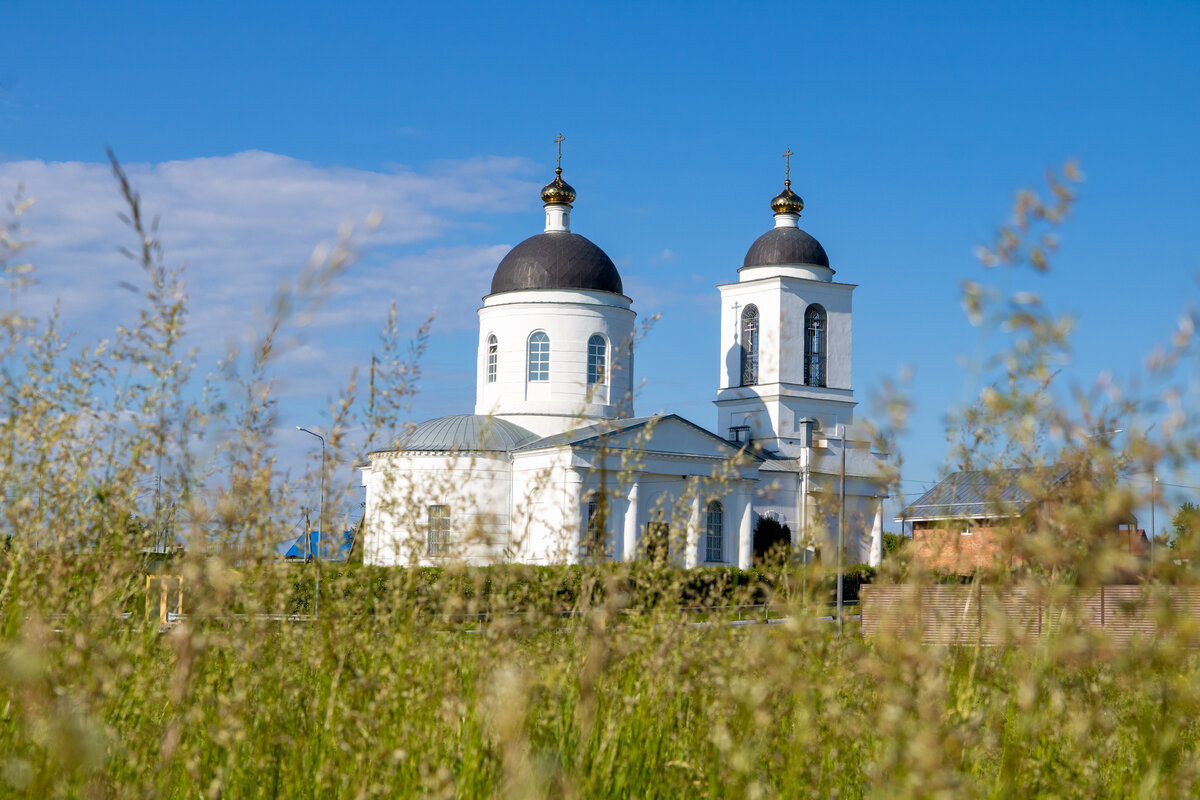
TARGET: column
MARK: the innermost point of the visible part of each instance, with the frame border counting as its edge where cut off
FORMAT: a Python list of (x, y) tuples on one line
[(745, 531), (876, 555), (572, 523), (629, 544), (691, 555)]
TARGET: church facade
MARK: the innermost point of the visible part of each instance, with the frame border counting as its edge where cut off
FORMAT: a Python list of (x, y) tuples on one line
[(554, 467)]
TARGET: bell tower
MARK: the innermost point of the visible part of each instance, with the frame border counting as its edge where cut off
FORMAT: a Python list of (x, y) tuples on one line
[(785, 339)]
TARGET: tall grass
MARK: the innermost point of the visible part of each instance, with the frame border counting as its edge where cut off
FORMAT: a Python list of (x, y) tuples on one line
[(583, 681)]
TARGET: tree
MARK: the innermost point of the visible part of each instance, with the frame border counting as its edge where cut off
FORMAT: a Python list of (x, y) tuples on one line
[(1185, 526), (772, 541)]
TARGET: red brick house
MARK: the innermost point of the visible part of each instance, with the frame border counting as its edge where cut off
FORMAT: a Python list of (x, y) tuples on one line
[(970, 519)]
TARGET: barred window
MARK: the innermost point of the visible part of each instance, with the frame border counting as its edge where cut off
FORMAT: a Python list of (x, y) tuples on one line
[(438, 541), (539, 357), (814, 346), (493, 349), (714, 541), (750, 345), (597, 363)]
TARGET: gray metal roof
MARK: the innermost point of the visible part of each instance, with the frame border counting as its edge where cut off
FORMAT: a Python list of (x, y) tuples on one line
[(556, 260), (590, 433), (980, 494), (464, 433), (587, 433), (784, 247)]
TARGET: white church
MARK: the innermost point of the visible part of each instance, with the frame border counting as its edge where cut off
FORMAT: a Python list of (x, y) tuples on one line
[(554, 467)]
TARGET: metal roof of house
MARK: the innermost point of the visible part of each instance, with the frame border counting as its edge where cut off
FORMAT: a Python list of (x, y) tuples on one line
[(977, 494)]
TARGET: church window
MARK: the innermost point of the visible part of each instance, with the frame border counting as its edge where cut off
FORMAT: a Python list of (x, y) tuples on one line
[(714, 540), (814, 346), (438, 540), (750, 346), (539, 357), (492, 354), (593, 544), (597, 363)]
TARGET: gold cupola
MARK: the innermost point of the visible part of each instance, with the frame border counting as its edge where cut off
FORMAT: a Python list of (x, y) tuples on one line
[(558, 191), (787, 201)]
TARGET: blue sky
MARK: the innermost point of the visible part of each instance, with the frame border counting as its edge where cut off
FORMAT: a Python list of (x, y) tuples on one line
[(255, 129)]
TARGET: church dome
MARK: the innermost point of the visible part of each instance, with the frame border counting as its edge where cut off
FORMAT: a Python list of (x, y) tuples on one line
[(464, 433), (785, 246), (556, 260)]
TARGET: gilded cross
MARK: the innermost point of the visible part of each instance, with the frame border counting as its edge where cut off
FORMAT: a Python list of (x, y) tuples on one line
[(559, 142), (787, 174)]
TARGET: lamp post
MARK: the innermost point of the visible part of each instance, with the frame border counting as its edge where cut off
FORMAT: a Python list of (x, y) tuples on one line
[(841, 537), (320, 522)]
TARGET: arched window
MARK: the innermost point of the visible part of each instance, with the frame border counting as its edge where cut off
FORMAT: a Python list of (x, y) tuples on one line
[(493, 351), (814, 346), (750, 345), (597, 365), (593, 544), (714, 540), (539, 356)]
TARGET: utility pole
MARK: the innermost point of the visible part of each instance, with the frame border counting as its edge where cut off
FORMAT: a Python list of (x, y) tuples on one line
[(1153, 498), (320, 522)]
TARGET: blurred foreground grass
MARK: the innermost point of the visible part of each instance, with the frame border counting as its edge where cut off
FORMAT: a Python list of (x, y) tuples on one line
[(394, 692), (598, 705)]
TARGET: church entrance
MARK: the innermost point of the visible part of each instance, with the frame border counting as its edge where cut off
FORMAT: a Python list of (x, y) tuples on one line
[(656, 542)]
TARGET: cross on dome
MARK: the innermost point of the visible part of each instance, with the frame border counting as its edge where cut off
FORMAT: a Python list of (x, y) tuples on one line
[(558, 192), (787, 201)]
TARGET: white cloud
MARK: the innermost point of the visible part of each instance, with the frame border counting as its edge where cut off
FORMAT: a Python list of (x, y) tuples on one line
[(242, 223)]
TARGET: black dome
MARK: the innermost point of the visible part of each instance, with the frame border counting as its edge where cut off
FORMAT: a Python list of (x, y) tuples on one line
[(556, 260), (784, 246)]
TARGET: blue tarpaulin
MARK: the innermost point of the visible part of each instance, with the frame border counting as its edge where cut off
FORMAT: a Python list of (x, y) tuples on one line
[(334, 547)]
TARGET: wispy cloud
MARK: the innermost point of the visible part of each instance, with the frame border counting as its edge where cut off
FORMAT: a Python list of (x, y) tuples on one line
[(242, 223)]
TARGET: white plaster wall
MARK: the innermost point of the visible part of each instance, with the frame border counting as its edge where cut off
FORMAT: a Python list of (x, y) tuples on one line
[(545, 508), (401, 487), (569, 318), (781, 303), (795, 297)]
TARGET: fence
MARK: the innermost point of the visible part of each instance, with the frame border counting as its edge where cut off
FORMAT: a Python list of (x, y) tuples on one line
[(944, 614)]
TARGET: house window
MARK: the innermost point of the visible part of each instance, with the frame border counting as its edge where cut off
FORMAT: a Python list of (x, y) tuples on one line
[(714, 541), (597, 364), (492, 353), (539, 357), (814, 346), (438, 541), (750, 345)]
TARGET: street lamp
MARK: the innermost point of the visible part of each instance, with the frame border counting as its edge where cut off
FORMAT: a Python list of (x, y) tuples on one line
[(320, 522)]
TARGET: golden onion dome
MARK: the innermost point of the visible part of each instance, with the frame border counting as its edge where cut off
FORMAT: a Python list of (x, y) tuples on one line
[(787, 201), (558, 190)]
